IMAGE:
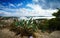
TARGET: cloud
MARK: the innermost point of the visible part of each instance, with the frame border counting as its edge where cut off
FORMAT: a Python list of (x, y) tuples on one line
[(35, 0), (3, 13), (36, 10), (12, 5), (40, 11), (20, 4), (46, 4)]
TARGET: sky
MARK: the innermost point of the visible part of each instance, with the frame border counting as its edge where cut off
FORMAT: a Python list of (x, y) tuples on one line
[(21, 8)]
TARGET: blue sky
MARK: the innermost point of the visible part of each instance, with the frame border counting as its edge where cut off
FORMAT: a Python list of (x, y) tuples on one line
[(28, 7)]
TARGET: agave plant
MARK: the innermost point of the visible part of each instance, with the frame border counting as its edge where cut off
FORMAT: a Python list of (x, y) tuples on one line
[(25, 28)]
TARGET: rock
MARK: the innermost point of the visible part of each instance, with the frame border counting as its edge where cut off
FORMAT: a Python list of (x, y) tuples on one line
[(55, 34)]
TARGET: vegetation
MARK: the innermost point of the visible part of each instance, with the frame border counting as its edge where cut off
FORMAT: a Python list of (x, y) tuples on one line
[(54, 23), (25, 28), (28, 27), (44, 25)]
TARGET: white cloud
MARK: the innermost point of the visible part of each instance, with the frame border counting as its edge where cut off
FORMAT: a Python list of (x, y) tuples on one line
[(43, 1), (35, 0), (35, 11), (5, 13), (38, 10), (11, 5), (20, 4)]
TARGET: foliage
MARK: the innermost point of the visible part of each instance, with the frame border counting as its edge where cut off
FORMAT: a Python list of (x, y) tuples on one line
[(43, 26), (24, 27), (54, 23), (57, 14)]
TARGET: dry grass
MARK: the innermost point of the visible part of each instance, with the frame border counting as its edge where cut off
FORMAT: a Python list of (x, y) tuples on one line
[(5, 33), (39, 34)]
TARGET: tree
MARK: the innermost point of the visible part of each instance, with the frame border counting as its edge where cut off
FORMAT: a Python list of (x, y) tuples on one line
[(57, 14), (54, 23)]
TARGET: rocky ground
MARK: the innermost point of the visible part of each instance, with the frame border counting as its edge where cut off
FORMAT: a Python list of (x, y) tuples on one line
[(55, 34), (5, 33)]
